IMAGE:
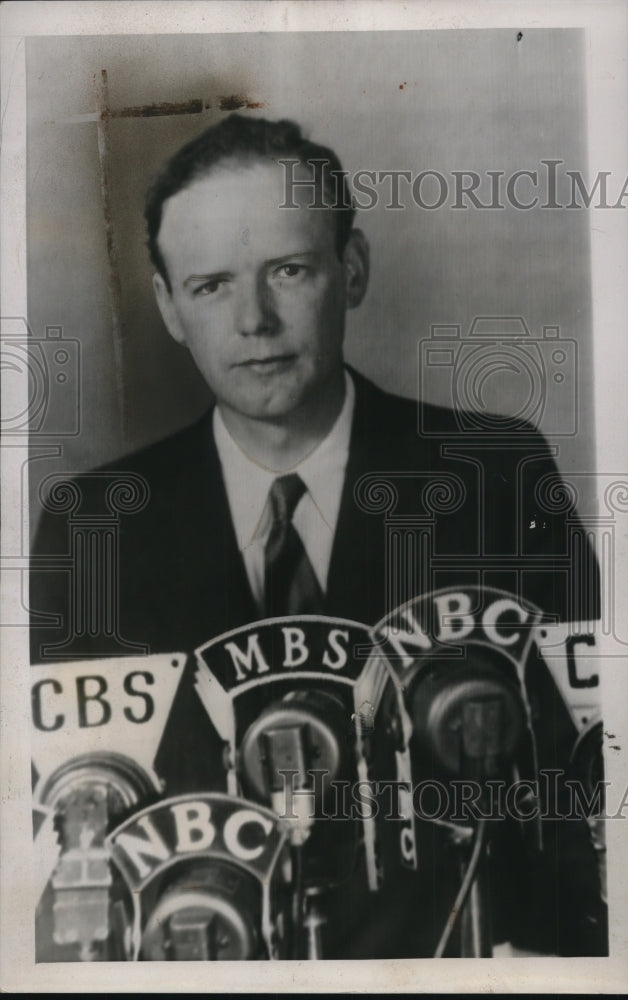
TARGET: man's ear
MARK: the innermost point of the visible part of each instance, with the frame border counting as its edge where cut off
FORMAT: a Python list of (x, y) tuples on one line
[(356, 268), (167, 309)]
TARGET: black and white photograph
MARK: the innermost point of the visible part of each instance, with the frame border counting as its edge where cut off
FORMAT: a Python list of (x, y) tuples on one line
[(315, 472)]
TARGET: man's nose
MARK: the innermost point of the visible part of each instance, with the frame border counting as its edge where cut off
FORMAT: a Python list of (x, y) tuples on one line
[(255, 310)]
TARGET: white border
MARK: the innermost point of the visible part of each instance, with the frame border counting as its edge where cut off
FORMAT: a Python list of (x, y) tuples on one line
[(605, 23)]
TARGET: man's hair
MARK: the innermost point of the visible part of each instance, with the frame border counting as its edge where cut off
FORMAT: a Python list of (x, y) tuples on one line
[(249, 140)]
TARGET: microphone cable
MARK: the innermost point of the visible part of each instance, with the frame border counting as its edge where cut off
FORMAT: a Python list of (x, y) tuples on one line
[(465, 888), (296, 945)]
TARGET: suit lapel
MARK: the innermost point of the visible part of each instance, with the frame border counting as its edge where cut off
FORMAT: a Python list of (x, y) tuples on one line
[(356, 580), (223, 600)]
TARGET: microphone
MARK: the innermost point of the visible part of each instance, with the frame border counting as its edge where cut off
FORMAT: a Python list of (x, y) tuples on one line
[(299, 703), (88, 795), (468, 717), (96, 728), (292, 736), (468, 721), (208, 912), (208, 877), (463, 725)]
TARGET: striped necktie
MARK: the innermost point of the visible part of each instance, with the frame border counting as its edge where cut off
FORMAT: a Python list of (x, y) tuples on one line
[(290, 584)]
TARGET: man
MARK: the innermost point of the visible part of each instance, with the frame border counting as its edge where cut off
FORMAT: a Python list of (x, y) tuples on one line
[(262, 507)]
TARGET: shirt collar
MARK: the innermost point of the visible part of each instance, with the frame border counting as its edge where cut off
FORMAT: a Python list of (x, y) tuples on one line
[(248, 483)]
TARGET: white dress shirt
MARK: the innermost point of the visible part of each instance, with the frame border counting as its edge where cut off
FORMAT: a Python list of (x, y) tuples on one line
[(248, 484)]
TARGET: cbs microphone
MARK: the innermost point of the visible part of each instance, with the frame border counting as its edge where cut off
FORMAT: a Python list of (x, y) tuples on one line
[(96, 727)]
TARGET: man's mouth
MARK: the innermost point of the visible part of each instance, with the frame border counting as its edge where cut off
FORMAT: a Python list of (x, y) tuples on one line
[(268, 365)]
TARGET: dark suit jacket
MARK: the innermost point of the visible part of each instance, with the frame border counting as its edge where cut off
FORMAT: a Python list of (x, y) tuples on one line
[(182, 580)]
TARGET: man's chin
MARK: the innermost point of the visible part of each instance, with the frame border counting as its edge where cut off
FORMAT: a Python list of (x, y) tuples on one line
[(278, 413), (275, 409), (281, 401)]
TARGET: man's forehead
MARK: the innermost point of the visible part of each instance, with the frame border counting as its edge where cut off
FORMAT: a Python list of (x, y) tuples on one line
[(232, 218), (256, 190)]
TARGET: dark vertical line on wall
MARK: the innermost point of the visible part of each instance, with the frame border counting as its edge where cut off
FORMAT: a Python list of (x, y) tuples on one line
[(113, 275)]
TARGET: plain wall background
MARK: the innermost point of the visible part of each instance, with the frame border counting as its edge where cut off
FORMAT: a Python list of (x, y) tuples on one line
[(443, 100)]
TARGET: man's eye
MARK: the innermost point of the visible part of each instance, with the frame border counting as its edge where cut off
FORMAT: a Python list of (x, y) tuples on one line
[(289, 270), (209, 287)]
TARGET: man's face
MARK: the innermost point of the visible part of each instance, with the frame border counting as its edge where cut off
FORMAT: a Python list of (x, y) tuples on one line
[(258, 293)]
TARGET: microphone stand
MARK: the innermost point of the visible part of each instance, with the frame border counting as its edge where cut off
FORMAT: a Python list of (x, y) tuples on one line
[(482, 725), (284, 746), (296, 857), (313, 922)]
